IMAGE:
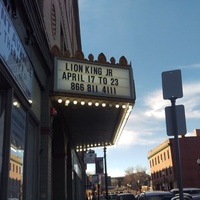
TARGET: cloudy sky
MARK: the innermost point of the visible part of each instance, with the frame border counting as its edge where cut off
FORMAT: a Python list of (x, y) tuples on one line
[(155, 36)]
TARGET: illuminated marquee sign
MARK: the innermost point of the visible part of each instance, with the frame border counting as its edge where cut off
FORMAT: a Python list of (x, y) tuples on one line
[(93, 79)]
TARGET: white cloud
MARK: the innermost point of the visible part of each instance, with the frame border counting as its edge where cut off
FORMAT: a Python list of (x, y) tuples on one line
[(197, 65), (116, 172), (140, 136), (191, 99), (148, 119), (155, 104)]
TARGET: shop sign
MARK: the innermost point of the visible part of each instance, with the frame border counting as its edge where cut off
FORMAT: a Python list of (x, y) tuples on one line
[(89, 158), (13, 54), (93, 79), (99, 165)]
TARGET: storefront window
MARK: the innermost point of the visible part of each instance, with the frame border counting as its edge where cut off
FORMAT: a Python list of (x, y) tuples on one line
[(2, 115), (18, 124)]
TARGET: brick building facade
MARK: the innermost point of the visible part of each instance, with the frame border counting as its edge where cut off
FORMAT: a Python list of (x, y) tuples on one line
[(47, 136), (162, 161), (31, 34)]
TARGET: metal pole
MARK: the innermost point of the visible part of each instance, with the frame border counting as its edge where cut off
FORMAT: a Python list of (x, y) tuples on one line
[(177, 149), (98, 190), (198, 162), (106, 176)]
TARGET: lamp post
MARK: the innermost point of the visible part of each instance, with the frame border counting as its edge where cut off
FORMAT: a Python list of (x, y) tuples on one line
[(106, 176), (139, 186)]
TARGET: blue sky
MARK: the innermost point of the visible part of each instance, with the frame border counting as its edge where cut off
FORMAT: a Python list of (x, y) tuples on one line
[(155, 36)]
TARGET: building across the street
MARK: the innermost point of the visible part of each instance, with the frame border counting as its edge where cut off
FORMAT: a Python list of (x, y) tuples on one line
[(163, 163), (55, 102)]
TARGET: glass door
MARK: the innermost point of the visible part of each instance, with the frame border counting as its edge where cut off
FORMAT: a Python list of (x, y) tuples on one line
[(17, 147), (2, 120)]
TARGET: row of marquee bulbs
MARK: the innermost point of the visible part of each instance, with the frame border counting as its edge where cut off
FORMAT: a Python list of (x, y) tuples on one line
[(90, 103), (84, 148)]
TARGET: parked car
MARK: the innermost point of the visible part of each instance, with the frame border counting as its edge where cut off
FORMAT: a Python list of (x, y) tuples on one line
[(186, 196), (196, 197), (13, 199), (112, 196), (156, 195), (125, 196), (191, 191), (102, 197), (137, 196)]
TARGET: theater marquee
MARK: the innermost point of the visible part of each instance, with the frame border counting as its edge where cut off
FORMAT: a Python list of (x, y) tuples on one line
[(93, 79)]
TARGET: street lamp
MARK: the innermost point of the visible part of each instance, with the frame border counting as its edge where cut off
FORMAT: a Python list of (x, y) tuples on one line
[(198, 161)]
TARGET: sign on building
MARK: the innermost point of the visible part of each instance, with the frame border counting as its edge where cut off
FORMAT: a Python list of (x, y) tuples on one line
[(89, 157), (93, 79), (14, 55)]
